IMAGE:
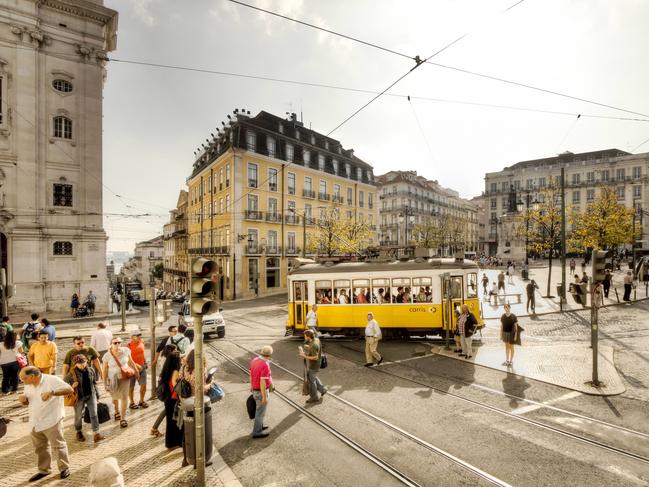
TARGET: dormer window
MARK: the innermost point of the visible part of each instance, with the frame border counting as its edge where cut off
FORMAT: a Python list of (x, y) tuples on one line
[(326, 145), (312, 139), (281, 128)]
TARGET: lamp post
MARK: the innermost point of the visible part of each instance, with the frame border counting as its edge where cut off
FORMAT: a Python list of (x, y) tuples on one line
[(234, 263), (535, 206), (405, 214)]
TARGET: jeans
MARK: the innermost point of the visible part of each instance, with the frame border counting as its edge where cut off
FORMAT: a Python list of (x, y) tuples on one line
[(10, 377), (627, 292), (260, 413), (91, 403), (531, 304), (315, 385)]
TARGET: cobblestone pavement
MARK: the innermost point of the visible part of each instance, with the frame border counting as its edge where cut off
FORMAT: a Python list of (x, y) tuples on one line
[(144, 460), (625, 328)]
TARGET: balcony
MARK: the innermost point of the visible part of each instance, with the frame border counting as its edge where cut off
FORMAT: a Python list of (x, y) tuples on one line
[(252, 249), (324, 196), (293, 250), (253, 215), (221, 250), (273, 250), (370, 205), (349, 201), (372, 228), (338, 199), (274, 217), (252, 183), (292, 219), (308, 193), (272, 187)]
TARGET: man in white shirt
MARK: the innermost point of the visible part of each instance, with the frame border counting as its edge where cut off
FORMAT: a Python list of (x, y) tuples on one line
[(101, 339), (312, 319), (372, 337), (44, 396)]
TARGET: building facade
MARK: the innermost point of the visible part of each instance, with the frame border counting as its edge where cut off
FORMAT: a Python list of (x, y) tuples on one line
[(175, 247), (408, 200), (585, 175), (52, 71), (142, 266), (259, 187)]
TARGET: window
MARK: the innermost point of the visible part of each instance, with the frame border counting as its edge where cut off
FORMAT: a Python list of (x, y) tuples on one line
[(290, 152), (252, 202), (504, 186), (307, 183), (494, 203), (637, 172), (272, 179), (272, 242), (604, 174), (62, 195), (307, 214), (361, 291), (348, 169), (290, 242), (590, 195), (252, 175), (472, 285), (306, 155), (270, 146), (291, 183), (337, 191), (576, 178), (253, 273), (637, 192), (620, 192), (590, 176), (291, 216), (62, 85), (335, 165), (227, 175), (321, 162), (323, 292), (220, 206), (350, 199), (619, 174), (529, 183), (576, 197), (216, 210), (323, 188), (312, 139), (517, 185), (227, 203), (361, 199), (401, 291), (359, 173), (272, 207), (272, 272), (220, 180), (542, 183), (494, 187), (370, 200), (251, 140), (62, 248), (341, 291), (62, 127)]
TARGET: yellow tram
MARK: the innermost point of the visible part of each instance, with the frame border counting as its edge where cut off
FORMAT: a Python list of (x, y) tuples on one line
[(408, 297)]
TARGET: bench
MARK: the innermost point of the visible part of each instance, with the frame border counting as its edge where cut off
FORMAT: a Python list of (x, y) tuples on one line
[(501, 297)]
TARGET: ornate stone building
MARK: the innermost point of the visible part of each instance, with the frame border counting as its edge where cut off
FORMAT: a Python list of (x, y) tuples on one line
[(175, 247), (52, 70)]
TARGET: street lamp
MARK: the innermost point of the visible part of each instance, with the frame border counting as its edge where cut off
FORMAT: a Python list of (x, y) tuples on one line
[(520, 206), (406, 214)]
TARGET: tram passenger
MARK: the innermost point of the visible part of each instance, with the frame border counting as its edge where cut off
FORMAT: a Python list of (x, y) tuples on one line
[(378, 298), (343, 299), (387, 297), (399, 297), (429, 295), (335, 298), (368, 296), (360, 297), (325, 298), (421, 297), (406, 296)]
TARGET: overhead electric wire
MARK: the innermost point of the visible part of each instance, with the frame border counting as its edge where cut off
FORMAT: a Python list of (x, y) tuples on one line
[(421, 130), (565, 137), (640, 145), (461, 70)]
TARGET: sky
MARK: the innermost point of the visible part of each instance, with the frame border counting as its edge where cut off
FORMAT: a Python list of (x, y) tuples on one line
[(154, 118)]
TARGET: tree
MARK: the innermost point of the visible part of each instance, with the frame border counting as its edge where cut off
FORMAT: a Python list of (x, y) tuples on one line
[(428, 234), (606, 224), (442, 232), (333, 235), (543, 232), (158, 271)]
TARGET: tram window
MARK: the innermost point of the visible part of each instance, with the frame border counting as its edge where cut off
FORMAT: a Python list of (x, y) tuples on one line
[(472, 285), (341, 291), (456, 287), (323, 292), (361, 291), (422, 289), (381, 291), (401, 290)]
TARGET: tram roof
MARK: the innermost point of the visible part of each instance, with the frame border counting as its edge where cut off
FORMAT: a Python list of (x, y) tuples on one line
[(396, 265)]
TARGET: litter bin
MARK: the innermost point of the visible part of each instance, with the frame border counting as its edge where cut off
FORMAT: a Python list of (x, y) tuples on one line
[(190, 429), (560, 292), (525, 274)]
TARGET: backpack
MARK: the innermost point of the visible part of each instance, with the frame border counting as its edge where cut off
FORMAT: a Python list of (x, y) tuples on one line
[(183, 388), (162, 391), (29, 330)]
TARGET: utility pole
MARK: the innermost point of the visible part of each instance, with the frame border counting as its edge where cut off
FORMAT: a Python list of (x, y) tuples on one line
[(304, 235), (123, 301), (152, 305), (598, 272), (563, 240)]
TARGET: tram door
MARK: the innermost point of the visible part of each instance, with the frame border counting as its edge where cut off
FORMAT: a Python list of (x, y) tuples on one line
[(452, 298), (300, 303)]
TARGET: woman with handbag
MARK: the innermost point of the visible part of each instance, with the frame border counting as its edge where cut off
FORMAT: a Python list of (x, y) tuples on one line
[(466, 324), (169, 377), (84, 382), (509, 334), (117, 370), (10, 349)]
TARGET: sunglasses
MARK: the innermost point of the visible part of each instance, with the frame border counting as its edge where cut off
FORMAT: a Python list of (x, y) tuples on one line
[(81, 342), (116, 343)]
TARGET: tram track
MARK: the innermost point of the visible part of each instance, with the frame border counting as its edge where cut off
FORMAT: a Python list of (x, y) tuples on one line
[(386, 466)]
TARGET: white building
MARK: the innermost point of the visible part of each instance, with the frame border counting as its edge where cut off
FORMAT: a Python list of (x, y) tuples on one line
[(585, 174), (52, 57), (141, 267)]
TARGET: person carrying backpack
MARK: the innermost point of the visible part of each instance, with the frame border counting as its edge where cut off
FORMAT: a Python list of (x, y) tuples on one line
[(30, 332)]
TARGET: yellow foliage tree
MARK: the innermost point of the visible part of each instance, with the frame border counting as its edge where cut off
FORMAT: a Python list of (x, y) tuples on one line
[(334, 236), (442, 231)]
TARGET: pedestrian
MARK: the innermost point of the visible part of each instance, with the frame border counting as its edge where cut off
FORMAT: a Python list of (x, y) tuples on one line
[(608, 277), (168, 349), (90, 302), (74, 304), (372, 337), (573, 265), (485, 284), (79, 348), (44, 396), (83, 380), (169, 377), (501, 281), (628, 285), (43, 354), (597, 296), (509, 334), (466, 324), (136, 346), (181, 342), (9, 350), (117, 367), (575, 290), (29, 333), (510, 273), (312, 319), (101, 339), (261, 385), (5, 326), (312, 356), (530, 289), (49, 328), (584, 278), (494, 292)]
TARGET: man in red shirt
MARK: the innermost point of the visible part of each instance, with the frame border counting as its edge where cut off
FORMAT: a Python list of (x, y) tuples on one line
[(136, 346), (261, 384)]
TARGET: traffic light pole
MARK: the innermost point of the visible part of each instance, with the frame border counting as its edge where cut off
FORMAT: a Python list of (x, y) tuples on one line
[(123, 302), (599, 273), (154, 377)]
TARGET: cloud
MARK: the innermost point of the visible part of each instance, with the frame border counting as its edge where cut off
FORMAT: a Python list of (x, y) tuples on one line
[(143, 11)]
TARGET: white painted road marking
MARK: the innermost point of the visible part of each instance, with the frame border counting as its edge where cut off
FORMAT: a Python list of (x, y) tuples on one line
[(534, 407)]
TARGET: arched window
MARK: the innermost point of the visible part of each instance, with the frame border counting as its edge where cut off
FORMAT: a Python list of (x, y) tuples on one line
[(62, 127), (62, 248), (62, 85)]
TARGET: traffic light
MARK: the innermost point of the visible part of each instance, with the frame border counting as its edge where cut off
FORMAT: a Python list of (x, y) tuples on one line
[(599, 265), (202, 287)]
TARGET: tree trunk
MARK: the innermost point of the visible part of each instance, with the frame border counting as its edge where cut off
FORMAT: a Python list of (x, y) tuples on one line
[(549, 275)]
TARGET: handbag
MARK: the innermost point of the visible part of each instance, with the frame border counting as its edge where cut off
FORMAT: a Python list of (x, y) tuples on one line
[(215, 392), (323, 361), (251, 406), (162, 391), (103, 413), (127, 370), (22, 360), (183, 388), (71, 399)]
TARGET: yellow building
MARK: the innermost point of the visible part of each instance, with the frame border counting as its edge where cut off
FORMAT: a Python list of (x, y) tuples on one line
[(259, 187)]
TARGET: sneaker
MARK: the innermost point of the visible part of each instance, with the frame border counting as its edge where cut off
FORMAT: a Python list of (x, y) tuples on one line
[(461, 355), (99, 437), (38, 476), (369, 364), (380, 360), (323, 392), (468, 356), (263, 434), (311, 401), (65, 473), (80, 436)]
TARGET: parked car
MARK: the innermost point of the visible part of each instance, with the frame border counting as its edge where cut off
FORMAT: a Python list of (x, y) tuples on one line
[(179, 297), (138, 298), (213, 324)]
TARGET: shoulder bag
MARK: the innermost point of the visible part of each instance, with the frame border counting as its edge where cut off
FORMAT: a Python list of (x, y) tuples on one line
[(21, 359), (183, 388), (127, 370), (71, 399)]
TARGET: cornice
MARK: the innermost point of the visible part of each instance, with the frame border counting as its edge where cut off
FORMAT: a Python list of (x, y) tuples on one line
[(83, 9)]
